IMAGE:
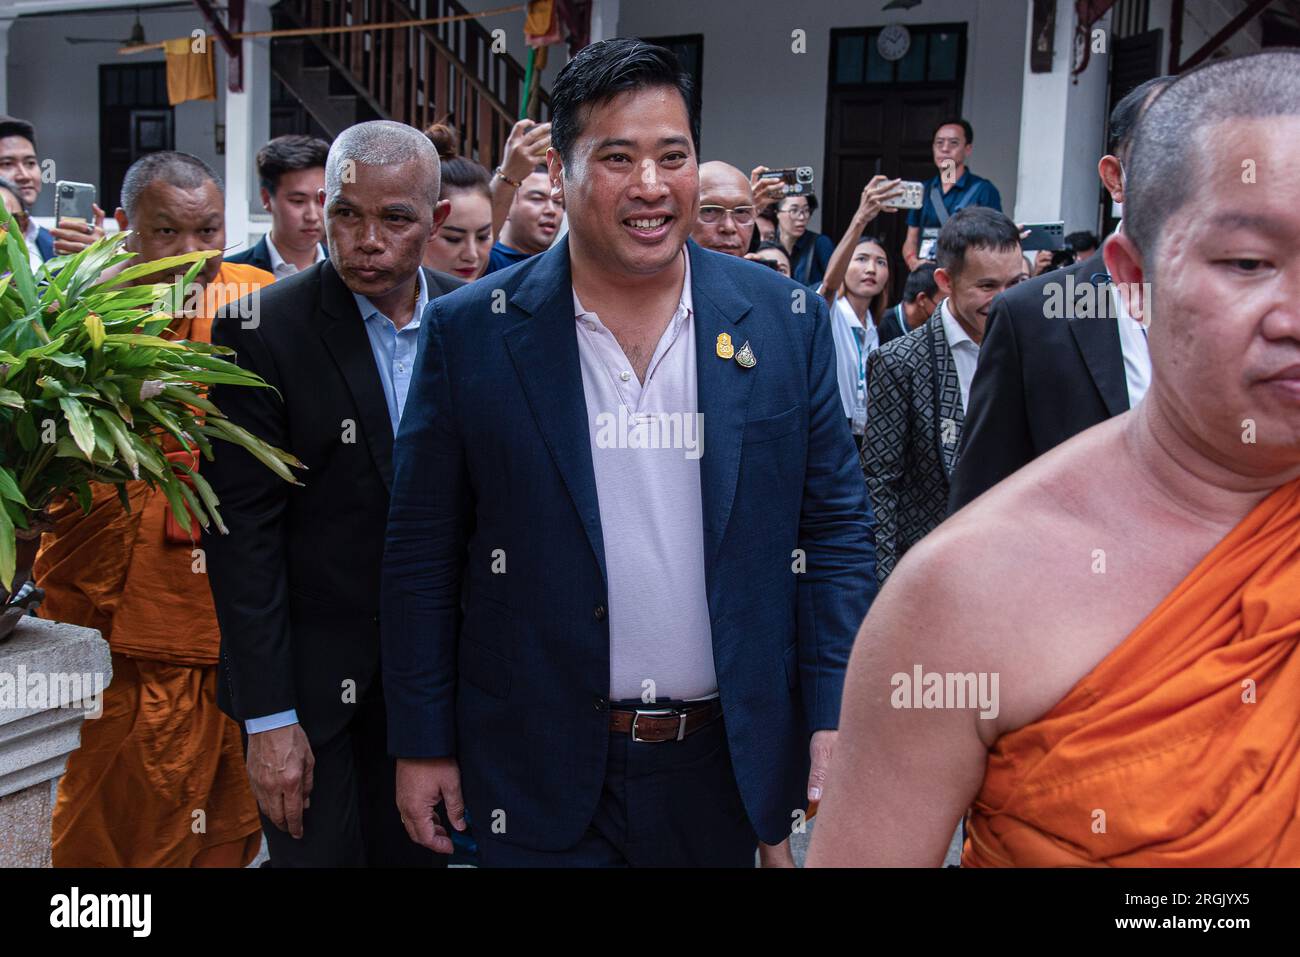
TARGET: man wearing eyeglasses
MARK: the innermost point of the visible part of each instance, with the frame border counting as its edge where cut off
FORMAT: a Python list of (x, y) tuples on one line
[(810, 253), (726, 219), (955, 187)]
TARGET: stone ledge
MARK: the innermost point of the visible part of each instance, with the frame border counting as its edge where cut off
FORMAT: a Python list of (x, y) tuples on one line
[(36, 737)]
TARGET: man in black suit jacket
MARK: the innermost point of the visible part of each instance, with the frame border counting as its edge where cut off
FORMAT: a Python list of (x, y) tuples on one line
[(296, 580), (1057, 357), (292, 172)]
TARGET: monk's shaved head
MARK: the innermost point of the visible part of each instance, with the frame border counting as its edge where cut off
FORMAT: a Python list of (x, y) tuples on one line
[(1168, 164), (1211, 242)]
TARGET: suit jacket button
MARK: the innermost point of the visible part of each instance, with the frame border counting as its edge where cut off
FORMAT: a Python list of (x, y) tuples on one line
[(599, 613), (600, 704)]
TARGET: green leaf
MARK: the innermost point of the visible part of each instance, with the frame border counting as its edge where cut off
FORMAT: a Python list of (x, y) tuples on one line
[(95, 329), (8, 550), (9, 487), (158, 266), (26, 429), (133, 339), (177, 394), (12, 399), (21, 268), (209, 500), (169, 486), (83, 432)]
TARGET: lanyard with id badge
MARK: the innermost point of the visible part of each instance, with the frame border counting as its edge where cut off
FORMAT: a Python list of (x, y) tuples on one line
[(930, 235), (859, 418)]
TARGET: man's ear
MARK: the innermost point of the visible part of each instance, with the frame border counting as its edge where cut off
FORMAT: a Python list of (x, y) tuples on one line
[(320, 197), (266, 198), (1123, 259), (1112, 176), (943, 280), (120, 215), (555, 170), (441, 210)]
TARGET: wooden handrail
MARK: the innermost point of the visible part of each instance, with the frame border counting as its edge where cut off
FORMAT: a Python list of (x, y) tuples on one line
[(413, 74)]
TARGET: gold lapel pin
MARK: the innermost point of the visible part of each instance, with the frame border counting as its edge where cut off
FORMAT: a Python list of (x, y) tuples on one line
[(745, 357), (725, 349)]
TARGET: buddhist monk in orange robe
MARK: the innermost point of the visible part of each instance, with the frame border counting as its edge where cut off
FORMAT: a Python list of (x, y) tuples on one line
[(1137, 589), (159, 779)]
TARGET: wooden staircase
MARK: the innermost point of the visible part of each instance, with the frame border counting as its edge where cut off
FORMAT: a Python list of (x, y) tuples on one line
[(417, 75)]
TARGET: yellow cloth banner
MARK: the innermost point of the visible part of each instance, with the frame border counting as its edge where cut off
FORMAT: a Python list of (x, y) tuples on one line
[(190, 75)]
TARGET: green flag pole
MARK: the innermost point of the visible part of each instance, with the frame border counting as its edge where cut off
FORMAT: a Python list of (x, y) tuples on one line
[(528, 83)]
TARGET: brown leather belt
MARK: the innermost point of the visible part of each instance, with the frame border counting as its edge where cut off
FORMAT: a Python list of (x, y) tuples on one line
[(664, 724)]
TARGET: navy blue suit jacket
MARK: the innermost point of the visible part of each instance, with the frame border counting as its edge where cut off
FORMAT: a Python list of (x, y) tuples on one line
[(510, 672)]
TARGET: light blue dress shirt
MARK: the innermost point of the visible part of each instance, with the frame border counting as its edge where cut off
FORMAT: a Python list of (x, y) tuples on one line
[(394, 352)]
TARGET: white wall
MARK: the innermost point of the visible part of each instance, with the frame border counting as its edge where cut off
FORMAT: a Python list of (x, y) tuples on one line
[(55, 85), (1062, 132), (764, 104)]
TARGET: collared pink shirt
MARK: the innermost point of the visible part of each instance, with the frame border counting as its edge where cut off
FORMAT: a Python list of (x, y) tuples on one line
[(646, 442)]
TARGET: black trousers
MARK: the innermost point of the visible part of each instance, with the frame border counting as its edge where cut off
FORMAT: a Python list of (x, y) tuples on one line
[(353, 820), (664, 804)]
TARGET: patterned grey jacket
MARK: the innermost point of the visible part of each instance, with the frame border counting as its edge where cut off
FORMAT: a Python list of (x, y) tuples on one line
[(914, 422)]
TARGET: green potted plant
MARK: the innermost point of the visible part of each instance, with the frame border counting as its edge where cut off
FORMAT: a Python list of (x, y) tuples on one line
[(90, 391)]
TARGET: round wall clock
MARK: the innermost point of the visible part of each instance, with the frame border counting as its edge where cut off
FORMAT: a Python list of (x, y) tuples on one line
[(894, 41)]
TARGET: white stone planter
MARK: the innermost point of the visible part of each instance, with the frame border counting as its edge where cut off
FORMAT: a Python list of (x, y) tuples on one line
[(51, 678)]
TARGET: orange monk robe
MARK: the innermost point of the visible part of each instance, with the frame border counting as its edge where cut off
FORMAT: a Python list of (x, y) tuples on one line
[(159, 779), (1182, 747)]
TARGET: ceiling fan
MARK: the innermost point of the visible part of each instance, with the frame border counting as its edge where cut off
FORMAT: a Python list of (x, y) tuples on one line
[(135, 39)]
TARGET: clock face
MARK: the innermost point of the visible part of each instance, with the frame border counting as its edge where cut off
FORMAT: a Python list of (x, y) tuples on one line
[(893, 41)]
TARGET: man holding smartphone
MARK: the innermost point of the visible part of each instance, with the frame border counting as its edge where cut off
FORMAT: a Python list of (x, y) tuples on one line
[(18, 163), (954, 188)]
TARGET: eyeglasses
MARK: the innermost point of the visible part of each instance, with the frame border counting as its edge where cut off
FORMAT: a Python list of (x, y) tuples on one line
[(797, 212), (740, 215)]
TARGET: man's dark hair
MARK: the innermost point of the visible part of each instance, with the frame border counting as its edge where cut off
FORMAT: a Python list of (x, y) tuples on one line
[(176, 169), (1081, 240), (288, 154), (606, 68), (957, 121), (975, 227), (921, 280), (1128, 111), (1167, 160), (12, 126)]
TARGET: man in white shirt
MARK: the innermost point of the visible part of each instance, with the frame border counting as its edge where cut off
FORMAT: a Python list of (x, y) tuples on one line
[(292, 173), (918, 386)]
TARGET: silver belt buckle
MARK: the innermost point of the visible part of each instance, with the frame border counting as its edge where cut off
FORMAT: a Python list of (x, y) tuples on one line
[(681, 723)]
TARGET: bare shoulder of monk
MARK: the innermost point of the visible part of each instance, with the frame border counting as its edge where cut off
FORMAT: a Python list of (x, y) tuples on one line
[(1047, 573)]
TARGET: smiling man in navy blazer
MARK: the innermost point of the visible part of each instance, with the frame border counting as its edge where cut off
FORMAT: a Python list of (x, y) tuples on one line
[(629, 544)]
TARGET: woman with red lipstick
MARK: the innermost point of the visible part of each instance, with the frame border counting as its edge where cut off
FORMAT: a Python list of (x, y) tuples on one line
[(461, 247)]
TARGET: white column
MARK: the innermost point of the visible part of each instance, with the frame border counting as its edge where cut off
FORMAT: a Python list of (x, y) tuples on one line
[(604, 19), (248, 125), (5, 24), (1062, 132)]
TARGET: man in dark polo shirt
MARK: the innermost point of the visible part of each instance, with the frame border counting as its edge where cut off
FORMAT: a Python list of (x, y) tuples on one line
[(953, 141)]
